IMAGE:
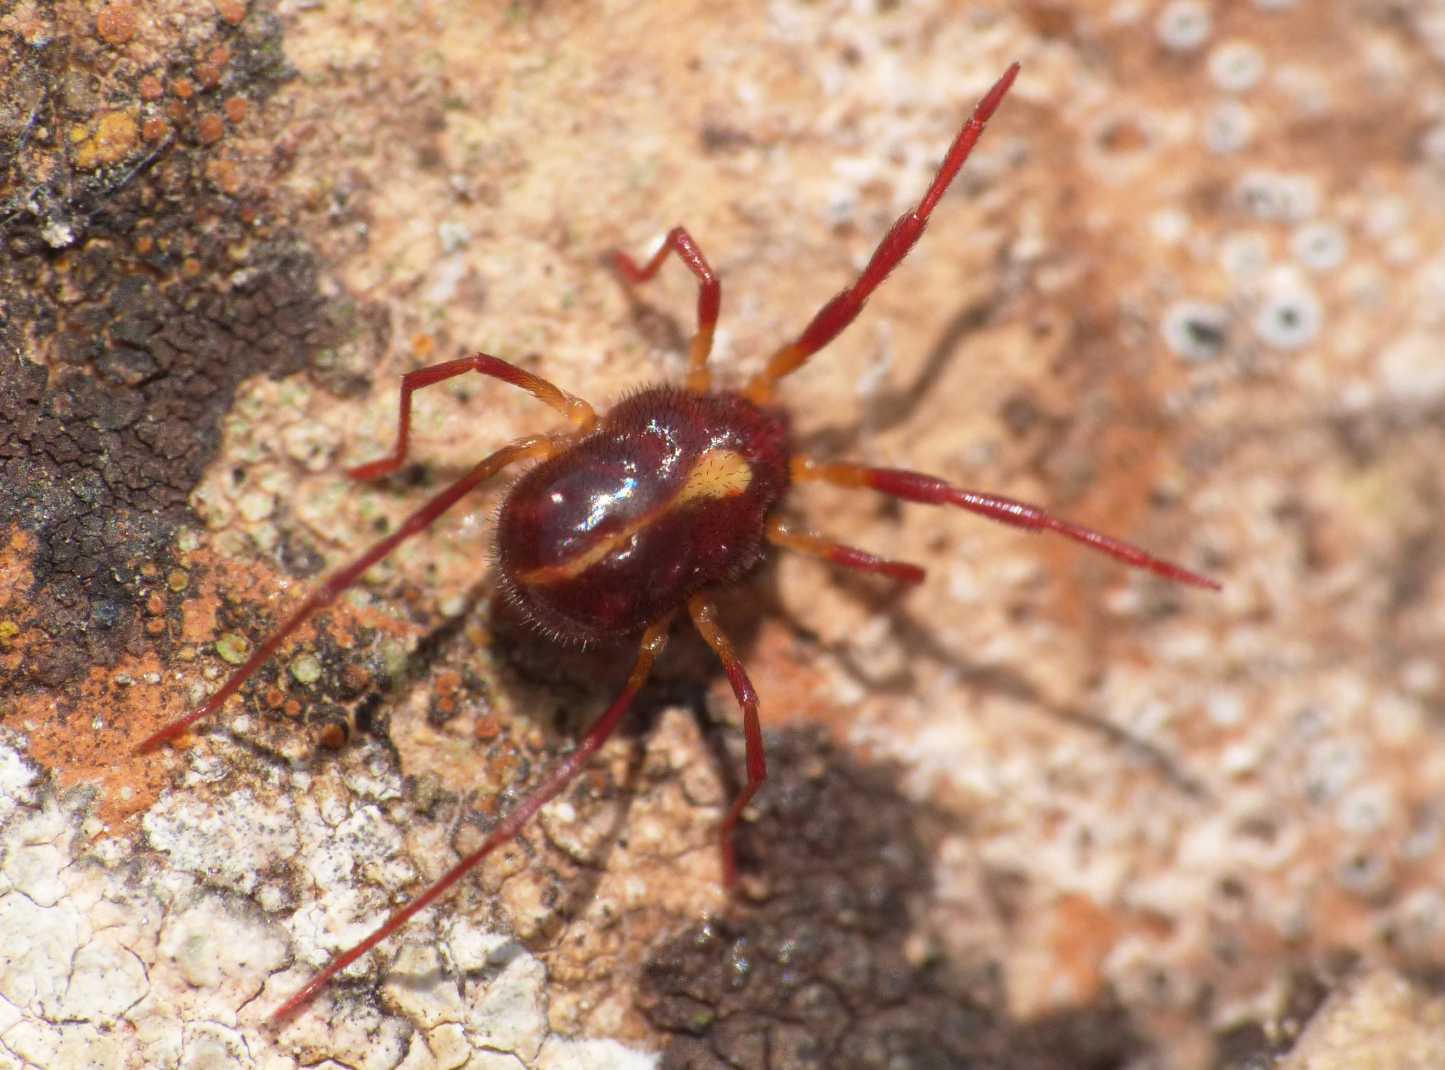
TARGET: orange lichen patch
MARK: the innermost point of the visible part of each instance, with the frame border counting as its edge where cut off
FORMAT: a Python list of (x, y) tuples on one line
[(109, 139), (116, 22), (87, 738), (15, 572), (444, 692), (155, 129), (210, 128), (224, 175), (231, 11), (210, 69), (183, 88), (356, 678), (30, 23), (151, 88), (1081, 935), (236, 109), (16, 577)]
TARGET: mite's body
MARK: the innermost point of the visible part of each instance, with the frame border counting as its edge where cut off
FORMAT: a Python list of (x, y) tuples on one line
[(669, 495)]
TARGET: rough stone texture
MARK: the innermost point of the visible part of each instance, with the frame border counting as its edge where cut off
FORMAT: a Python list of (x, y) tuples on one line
[(1376, 1020), (1188, 290)]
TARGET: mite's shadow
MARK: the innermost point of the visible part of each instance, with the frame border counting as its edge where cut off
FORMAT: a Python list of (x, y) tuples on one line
[(822, 967), (895, 406)]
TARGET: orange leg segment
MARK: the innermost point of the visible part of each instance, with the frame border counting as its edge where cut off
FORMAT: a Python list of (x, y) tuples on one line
[(704, 617), (815, 546), (916, 487), (709, 297)]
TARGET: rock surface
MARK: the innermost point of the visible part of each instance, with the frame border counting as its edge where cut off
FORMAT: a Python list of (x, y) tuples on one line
[(1189, 290)]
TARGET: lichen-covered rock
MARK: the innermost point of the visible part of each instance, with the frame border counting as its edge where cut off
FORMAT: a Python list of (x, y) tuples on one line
[(1188, 290)]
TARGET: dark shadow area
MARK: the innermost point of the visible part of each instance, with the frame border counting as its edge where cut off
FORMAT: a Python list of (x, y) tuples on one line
[(815, 968), (895, 406)]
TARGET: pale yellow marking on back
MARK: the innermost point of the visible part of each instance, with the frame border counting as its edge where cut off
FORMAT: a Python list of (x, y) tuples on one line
[(717, 474)]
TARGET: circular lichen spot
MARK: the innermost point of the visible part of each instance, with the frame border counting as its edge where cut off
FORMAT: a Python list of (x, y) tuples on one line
[(210, 129), (1245, 255), (116, 22), (1184, 25), (1196, 330), (233, 648), (1290, 317), (1236, 66), (1278, 196), (1320, 245), (232, 11), (257, 505), (306, 669), (1228, 127), (178, 579), (111, 139)]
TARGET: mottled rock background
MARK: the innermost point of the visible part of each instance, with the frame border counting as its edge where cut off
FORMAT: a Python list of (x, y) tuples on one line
[(1040, 812)]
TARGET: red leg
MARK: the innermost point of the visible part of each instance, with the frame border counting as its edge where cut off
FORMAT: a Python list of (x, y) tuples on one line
[(540, 446), (565, 771), (704, 616), (844, 307), (709, 297), (915, 487), (838, 554), (575, 409)]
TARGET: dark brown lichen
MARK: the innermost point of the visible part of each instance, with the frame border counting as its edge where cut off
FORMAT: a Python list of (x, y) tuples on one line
[(134, 298)]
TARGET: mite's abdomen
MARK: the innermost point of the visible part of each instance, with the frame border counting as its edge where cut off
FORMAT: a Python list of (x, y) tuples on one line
[(669, 495)]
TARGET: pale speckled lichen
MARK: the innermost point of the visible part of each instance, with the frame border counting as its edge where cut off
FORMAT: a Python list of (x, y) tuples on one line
[(223, 907)]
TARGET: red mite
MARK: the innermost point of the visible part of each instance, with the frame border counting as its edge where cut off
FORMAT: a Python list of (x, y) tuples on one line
[(629, 517)]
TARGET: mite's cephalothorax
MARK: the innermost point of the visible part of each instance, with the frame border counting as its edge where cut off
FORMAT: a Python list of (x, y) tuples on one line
[(630, 517)]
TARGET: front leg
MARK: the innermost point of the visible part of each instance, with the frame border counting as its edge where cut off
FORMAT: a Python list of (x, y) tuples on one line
[(575, 409)]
